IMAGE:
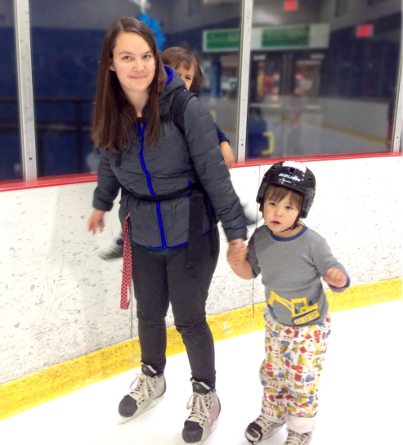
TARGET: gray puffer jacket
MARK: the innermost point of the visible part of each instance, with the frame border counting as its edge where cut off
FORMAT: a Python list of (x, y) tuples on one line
[(179, 159)]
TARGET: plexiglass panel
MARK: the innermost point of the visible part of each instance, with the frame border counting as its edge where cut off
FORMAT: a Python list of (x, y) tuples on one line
[(324, 77), (66, 44)]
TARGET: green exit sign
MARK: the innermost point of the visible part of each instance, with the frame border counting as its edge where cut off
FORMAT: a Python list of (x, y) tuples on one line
[(222, 40), (285, 36)]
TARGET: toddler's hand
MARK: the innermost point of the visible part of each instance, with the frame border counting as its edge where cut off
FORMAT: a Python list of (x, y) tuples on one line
[(227, 154), (237, 252), (335, 277), (96, 221)]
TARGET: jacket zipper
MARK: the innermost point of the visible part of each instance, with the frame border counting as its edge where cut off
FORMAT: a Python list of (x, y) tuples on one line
[(150, 186)]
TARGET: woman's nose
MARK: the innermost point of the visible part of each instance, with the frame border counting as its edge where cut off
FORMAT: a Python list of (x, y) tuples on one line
[(137, 65)]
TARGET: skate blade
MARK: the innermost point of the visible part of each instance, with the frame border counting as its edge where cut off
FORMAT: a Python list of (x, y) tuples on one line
[(121, 419)]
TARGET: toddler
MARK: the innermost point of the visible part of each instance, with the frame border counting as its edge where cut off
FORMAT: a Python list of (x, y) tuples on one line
[(292, 259)]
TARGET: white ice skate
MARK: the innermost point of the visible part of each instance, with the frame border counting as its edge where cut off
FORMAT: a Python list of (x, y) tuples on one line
[(146, 394), (206, 408), (261, 429), (298, 439)]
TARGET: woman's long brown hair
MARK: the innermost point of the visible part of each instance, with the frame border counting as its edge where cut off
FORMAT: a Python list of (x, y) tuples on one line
[(114, 115)]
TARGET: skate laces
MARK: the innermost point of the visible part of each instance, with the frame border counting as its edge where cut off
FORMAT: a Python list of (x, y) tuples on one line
[(264, 423), (200, 404), (144, 389), (296, 438)]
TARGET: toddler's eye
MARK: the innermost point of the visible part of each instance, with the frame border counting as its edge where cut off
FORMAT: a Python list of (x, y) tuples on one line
[(289, 208)]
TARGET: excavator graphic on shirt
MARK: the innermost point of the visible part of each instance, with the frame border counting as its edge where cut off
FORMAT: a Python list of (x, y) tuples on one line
[(300, 310)]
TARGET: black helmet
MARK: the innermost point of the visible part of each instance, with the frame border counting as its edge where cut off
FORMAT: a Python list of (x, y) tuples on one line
[(293, 175)]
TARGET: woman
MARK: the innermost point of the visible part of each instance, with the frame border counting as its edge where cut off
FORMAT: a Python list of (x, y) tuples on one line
[(176, 188)]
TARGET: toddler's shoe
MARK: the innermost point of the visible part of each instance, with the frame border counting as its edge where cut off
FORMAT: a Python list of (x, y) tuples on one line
[(205, 407), (113, 252), (146, 394), (261, 429), (298, 439)]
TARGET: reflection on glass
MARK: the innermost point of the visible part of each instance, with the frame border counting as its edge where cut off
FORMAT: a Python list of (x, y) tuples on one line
[(323, 80), (10, 142), (66, 42)]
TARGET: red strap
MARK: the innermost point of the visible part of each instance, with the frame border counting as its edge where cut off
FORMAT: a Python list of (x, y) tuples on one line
[(127, 267)]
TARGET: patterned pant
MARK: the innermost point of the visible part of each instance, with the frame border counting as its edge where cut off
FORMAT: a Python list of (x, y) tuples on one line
[(291, 370)]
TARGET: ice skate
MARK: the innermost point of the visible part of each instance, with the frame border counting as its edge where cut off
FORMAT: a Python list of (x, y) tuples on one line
[(205, 407), (261, 429), (148, 391), (298, 439), (113, 252)]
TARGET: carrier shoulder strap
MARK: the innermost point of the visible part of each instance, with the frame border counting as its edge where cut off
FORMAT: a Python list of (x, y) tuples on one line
[(178, 105)]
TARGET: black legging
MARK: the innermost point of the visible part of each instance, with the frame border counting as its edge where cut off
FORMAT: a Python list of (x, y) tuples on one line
[(160, 278)]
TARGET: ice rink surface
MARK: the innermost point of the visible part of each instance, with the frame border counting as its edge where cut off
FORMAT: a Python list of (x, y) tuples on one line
[(360, 394)]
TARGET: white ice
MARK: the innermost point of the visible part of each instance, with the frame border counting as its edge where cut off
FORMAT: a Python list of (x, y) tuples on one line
[(360, 394)]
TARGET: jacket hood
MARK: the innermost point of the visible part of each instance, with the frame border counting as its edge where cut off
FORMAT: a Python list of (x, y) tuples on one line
[(173, 82)]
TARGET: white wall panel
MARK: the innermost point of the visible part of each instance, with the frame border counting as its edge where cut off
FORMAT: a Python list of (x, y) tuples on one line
[(358, 209), (58, 300)]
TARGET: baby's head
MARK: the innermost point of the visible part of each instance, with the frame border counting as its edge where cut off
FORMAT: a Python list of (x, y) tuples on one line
[(290, 183), (187, 65)]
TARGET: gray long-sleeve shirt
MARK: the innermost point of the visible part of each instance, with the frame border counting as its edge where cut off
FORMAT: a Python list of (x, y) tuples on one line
[(291, 269)]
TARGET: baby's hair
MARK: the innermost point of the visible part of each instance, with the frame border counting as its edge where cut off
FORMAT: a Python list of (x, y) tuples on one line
[(277, 192), (177, 56)]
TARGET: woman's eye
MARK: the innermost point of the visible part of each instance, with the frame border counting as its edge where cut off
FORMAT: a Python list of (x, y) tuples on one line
[(147, 56), (126, 57)]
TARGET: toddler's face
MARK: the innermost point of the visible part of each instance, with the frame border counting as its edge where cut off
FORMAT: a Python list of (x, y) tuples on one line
[(280, 216), (187, 75)]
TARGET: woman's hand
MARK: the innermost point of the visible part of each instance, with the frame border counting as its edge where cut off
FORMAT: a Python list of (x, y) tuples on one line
[(335, 277), (227, 154), (96, 221)]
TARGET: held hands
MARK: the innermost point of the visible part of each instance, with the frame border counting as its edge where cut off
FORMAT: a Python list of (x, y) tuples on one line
[(227, 154), (237, 251), (335, 277), (96, 221)]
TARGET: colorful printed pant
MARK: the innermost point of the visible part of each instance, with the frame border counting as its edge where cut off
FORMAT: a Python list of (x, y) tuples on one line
[(291, 370)]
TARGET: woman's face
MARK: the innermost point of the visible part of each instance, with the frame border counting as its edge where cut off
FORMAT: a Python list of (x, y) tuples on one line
[(133, 62)]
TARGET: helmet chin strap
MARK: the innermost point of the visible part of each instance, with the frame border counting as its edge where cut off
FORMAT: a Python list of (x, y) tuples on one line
[(296, 219), (286, 229)]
